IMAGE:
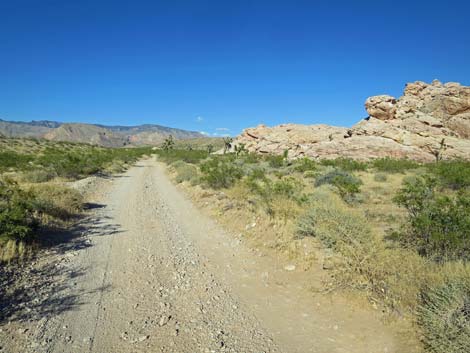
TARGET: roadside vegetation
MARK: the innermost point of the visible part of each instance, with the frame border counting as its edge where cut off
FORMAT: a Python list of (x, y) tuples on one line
[(396, 230), (34, 196)]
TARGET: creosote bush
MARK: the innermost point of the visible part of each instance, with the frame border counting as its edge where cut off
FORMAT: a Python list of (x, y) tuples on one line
[(347, 184), (451, 174), (305, 164), (219, 173), (438, 222), (17, 212)]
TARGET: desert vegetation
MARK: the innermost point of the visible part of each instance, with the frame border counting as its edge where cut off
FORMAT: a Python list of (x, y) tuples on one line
[(34, 196), (396, 230)]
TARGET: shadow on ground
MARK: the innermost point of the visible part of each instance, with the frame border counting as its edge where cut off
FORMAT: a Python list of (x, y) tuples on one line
[(45, 284)]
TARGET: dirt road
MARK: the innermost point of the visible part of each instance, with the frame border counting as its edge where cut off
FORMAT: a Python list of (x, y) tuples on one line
[(156, 275)]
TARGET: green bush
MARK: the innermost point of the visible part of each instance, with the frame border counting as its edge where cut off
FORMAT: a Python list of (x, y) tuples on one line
[(310, 174), (347, 164), (275, 161), (444, 315), (452, 174), (347, 184), (218, 173), (13, 160), (380, 177), (390, 165), (250, 158), (17, 212), (305, 164), (438, 223)]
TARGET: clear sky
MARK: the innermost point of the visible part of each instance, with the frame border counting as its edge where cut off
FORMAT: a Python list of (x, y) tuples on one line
[(216, 65)]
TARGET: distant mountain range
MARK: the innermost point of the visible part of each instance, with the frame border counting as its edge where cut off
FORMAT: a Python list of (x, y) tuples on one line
[(102, 135)]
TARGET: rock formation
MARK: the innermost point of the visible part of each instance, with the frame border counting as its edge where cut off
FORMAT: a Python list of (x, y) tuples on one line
[(429, 122)]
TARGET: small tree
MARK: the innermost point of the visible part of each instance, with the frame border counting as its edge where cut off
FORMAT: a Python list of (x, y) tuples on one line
[(168, 143), (240, 149), (210, 148), (439, 151), (227, 144)]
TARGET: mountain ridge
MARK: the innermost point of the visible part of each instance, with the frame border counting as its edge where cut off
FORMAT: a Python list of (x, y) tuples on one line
[(98, 134)]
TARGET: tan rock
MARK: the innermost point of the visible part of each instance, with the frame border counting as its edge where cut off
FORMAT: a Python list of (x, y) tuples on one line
[(415, 126), (381, 107)]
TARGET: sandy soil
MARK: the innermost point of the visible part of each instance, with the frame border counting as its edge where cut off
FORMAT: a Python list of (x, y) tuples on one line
[(146, 271)]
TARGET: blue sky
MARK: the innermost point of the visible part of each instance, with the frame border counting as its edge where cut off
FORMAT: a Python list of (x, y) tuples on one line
[(208, 65)]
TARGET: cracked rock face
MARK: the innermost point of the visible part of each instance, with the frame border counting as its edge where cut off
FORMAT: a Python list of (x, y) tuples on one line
[(429, 121)]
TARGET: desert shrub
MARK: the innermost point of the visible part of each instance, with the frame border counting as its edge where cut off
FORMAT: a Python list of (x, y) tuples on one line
[(17, 212), (451, 174), (250, 158), (346, 164), (56, 201), (188, 156), (390, 276), (275, 161), (84, 160), (305, 164), (310, 174), (185, 172), (391, 165), (115, 166), (14, 160), (37, 176), (444, 313), (276, 195), (438, 223), (347, 184), (218, 173), (380, 177)]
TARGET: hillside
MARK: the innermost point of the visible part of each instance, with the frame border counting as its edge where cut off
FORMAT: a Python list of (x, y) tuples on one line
[(429, 122), (102, 135)]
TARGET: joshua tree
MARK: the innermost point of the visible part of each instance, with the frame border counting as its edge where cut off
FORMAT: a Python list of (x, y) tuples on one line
[(227, 144), (210, 148), (168, 144), (240, 149), (439, 151)]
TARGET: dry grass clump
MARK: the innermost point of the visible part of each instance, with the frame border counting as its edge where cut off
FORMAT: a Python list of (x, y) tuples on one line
[(437, 294), (185, 172), (24, 210), (444, 313), (57, 201), (390, 275), (12, 249)]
